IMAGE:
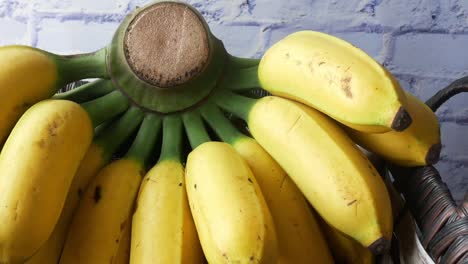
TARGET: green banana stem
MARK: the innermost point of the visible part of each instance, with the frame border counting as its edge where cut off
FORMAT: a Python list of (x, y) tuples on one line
[(243, 62), (220, 123), (106, 107), (241, 79), (76, 67), (87, 91), (239, 105), (145, 140), (114, 135), (172, 138), (195, 129)]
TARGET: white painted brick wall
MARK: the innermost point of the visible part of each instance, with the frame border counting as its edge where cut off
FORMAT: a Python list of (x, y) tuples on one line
[(423, 42)]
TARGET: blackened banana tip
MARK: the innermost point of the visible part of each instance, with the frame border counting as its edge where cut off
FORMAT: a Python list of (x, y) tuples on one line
[(402, 120), (433, 154), (380, 246)]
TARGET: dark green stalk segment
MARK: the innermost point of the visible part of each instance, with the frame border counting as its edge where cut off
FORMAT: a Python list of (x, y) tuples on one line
[(145, 140), (220, 124), (243, 62), (241, 79), (82, 66), (106, 107), (195, 129), (113, 136), (87, 91), (172, 138), (239, 105)]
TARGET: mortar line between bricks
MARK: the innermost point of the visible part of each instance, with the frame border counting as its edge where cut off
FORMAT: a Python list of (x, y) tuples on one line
[(84, 16)]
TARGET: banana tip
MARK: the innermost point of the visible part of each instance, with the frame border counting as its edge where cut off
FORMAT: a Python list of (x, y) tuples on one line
[(402, 120), (433, 154), (380, 246)]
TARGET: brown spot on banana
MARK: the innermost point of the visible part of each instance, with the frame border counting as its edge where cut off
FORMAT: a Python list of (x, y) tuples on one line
[(97, 194), (346, 86)]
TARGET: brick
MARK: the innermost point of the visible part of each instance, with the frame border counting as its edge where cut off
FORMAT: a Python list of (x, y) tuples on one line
[(82, 5), (238, 40), (452, 16), (453, 173), (15, 8), (72, 36), (404, 14), (455, 145), (439, 55), (304, 11), (371, 43), (12, 31)]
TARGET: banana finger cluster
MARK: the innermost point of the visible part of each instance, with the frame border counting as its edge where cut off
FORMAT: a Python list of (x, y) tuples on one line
[(170, 157)]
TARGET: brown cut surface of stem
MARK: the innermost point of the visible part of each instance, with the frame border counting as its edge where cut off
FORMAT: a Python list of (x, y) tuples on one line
[(167, 44)]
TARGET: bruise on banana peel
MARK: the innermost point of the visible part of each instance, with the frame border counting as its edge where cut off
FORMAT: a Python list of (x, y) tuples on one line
[(336, 78)]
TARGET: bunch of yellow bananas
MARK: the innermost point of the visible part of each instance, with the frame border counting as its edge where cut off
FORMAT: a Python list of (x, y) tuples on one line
[(144, 164)]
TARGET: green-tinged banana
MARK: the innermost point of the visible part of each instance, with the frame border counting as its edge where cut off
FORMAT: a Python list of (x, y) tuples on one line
[(106, 206), (418, 145), (345, 249), (336, 78), (97, 156), (29, 75), (231, 216), (37, 165), (163, 230), (300, 239), (329, 169)]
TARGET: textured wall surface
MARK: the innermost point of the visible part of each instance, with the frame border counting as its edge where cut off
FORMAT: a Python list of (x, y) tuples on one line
[(423, 42)]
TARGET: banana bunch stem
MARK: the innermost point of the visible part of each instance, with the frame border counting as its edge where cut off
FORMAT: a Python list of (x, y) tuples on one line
[(106, 107)]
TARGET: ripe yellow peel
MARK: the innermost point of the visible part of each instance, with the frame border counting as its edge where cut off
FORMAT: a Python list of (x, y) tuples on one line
[(26, 77), (300, 239), (89, 167), (230, 213), (103, 214), (334, 175), (163, 229), (37, 165), (333, 76), (411, 146)]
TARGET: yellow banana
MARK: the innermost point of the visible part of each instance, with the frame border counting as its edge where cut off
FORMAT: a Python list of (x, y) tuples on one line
[(333, 174), (163, 229), (29, 75), (103, 213), (37, 165), (345, 250), (336, 78), (98, 155), (300, 239), (418, 145), (231, 216)]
